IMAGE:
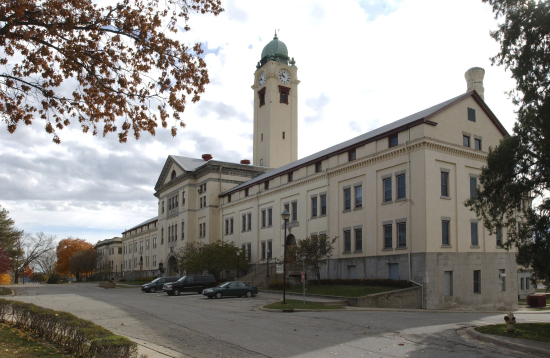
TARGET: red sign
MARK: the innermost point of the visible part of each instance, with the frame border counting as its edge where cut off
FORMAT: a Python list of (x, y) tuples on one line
[(303, 277)]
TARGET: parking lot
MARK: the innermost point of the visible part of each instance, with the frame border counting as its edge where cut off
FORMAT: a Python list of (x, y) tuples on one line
[(196, 326)]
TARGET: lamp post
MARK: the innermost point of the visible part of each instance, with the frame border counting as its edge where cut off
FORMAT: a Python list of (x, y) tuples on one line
[(238, 254), (285, 216)]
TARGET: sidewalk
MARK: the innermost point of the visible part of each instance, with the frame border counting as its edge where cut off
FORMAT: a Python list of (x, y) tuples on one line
[(523, 345)]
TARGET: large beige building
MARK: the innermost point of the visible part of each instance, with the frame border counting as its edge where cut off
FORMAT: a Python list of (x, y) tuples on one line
[(394, 197)]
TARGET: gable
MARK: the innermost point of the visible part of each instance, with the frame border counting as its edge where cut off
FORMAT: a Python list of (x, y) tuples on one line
[(166, 173)]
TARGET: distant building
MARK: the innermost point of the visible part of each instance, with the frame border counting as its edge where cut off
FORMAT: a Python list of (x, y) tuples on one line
[(109, 257)]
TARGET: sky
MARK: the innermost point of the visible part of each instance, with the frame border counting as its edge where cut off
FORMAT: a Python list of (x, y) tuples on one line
[(362, 64)]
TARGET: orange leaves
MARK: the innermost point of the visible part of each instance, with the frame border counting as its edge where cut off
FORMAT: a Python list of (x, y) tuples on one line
[(65, 250), (120, 58), (5, 279), (27, 272)]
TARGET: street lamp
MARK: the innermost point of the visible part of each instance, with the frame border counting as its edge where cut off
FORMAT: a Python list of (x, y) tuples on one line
[(238, 254), (285, 216)]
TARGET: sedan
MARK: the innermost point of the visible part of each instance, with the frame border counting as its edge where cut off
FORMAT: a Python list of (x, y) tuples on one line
[(234, 288)]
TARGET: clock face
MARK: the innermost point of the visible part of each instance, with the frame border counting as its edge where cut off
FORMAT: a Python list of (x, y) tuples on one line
[(284, 77), (261, 79)]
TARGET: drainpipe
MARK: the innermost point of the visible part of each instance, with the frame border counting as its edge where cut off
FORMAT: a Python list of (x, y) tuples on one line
[(421, 294), (328, 216), (409, 232), (220, 214)]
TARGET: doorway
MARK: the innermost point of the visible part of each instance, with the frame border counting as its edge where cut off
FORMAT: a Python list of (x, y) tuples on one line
[(394, 271)]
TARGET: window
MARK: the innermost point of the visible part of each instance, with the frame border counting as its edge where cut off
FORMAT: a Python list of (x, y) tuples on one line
[(402, 235), (448, 283), (263, 218), (358, 239), (204, 229), (477, 281), (401, 188), (183, 198), (471, 114), (318, 167), (466, 141), (173, 176), (347, 199), (352, 155), (261, 162), (444, 184), (163, 206), (477, 144), (527, 283), (283, 135), (290, 177), (266, 185), (120, 249), (522, 283), (141, 246), (387, 190), (249, 252), (263, 250), (200, 230), (154, 242), (229, 198), (154, 260), (499, 236), (262, 138), (393, 140), (294, 211), (358, 196), (231, 225), (347, 241), (201, 202), (249, 222), (182, 230), (284, 94), (388, 237), (269, 217), (226, 226), (243, 228), (261, 95), (284, 98), (323, 205), (502, 280), (314, 207), (269, 249), (473, 185), (246, 192), (287, 208), (473, 229), (445, 241)]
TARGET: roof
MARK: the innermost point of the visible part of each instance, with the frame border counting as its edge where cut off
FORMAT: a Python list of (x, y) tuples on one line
[(277, 49), (143, 223), (415, 119), (188, 164)]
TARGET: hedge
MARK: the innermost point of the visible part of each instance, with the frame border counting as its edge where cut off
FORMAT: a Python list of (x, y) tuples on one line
[(144, 278), (364, 282), (80, 337), (278, 285)]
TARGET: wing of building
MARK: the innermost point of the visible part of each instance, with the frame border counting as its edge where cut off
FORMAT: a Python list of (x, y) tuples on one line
[(393, 196)]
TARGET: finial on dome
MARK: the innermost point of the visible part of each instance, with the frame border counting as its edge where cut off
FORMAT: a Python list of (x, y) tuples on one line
[(275, 37)]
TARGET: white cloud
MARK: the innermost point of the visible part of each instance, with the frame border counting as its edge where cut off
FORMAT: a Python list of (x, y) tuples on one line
[(372, 62)]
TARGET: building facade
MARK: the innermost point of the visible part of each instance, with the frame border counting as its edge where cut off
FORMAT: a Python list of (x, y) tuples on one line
[(109, 257), (393, 197)]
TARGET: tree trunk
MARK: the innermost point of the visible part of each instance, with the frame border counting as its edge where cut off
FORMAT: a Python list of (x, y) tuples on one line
[(16, 277)]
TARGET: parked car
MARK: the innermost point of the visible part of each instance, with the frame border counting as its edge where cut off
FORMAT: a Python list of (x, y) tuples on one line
[(195, 283), (156, 284), (233, 288)]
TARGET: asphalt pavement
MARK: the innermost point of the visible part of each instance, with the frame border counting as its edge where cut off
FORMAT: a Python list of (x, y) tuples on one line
[(195, 326)]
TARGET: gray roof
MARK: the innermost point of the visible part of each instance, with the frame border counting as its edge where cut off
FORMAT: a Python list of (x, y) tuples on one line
[(188, 164), (143, 223), (403, 122)]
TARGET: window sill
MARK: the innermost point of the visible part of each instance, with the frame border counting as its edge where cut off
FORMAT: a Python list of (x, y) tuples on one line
[(401, 199), (358, 252), (346, 253), (358, 208), (401, 248), (323, 216), (387, 202), (387, 249), (500, 247), (313, 218), (346, 211), (446, 247), (474, 247), (445, 197), (269, 226)]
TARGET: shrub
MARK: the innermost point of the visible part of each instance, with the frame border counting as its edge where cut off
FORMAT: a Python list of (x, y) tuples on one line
[(144, 278), (122, 280), (80, 337), (365, 282), (278, 285)]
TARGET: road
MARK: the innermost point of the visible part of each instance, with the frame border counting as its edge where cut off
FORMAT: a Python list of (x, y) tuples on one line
[(235, 327)]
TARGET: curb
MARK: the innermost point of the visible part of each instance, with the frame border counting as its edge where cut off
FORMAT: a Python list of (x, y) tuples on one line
[(503, 342), (156, 350), (297, 310)]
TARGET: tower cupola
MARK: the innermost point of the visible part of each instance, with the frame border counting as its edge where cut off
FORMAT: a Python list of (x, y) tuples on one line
[(275, 50)]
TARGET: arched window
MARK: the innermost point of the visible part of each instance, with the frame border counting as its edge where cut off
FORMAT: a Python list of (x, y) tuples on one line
[(173, 175)]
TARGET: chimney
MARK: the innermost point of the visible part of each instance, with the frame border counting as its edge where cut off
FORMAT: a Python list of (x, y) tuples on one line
[(245, 161), (206, 157), (474, 80)]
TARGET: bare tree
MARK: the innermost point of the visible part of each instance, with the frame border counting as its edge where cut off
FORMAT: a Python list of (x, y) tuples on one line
[(47, 262), (31, 248)]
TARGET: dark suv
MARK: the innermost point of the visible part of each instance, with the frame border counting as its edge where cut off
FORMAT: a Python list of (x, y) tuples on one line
[(195, 283), (156, 284)]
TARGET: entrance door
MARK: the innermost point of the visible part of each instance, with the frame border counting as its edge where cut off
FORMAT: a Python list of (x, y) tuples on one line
[(394, 271), (351, 270)]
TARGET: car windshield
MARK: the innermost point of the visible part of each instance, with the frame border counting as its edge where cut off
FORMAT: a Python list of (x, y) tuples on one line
[(225, 284), (182, 279), (156, 280)]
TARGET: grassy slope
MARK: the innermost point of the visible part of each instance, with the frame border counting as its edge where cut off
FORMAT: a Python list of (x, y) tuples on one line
[(344, 290), (295, 304), (18, 344), (533, 331)]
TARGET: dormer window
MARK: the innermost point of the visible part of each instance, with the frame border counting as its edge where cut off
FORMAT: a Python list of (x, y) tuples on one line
[(284, 93), (173, 175), (261, 95), (352, 155)]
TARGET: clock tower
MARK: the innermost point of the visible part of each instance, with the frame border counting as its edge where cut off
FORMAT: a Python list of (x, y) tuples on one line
[(275, 107)]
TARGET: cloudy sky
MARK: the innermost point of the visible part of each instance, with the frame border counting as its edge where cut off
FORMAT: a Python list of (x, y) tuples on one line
[(361, 63)]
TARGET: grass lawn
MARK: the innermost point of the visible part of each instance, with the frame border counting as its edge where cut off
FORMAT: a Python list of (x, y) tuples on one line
[(5, 291), (343, 290), (533, 331), (295, 304), (19, 344)]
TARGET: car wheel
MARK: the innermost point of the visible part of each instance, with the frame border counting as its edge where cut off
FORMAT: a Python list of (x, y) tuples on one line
[(176, 292), (152, 290), (219, 295), (249, 294)]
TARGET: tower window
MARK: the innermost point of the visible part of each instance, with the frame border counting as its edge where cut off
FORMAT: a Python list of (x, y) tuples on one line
[(261, 94), (284, 93)]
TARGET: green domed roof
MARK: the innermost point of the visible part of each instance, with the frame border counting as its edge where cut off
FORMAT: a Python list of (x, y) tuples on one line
[(277, 49)]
